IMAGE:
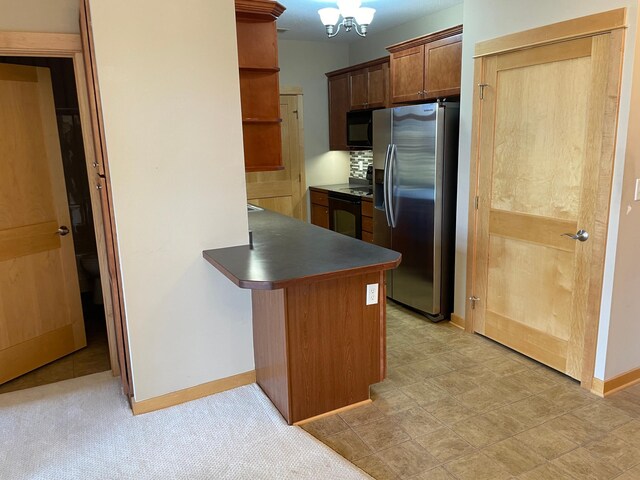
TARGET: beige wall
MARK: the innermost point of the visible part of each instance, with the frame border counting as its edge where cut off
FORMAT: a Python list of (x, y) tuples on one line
[(303, 64), (374, 45), (59, 16), (623, 353), (485, 19), (169, 82)]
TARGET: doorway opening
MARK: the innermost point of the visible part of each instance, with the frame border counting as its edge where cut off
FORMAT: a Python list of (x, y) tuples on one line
[(95, 357)]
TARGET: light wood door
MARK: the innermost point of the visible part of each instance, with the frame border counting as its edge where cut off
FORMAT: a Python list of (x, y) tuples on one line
[(40, 309), (283, 191), (545, 149)]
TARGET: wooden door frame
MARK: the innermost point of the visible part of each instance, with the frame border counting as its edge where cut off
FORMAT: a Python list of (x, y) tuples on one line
[(64, 45), (614, 22), (297, 92)]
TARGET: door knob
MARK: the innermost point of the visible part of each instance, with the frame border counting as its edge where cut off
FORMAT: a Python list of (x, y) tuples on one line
[(62, 231), (581, 235)]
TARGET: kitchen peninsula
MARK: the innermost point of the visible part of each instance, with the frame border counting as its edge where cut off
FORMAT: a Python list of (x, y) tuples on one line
[(319, 339)]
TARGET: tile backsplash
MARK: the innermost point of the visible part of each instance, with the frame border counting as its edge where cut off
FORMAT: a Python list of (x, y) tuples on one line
[(360, 160)]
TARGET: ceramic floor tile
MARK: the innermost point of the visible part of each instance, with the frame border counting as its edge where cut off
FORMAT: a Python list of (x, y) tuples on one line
[(454, 383), (375, 467), (603, 416), (445, 445), (454, 360), (568, 397), (479, 373), (505, 366), (480, 431), (325, 426), (629, 432), (393, 401), (615, 451), (449, 411), (416, 421), (404, 375), (381, 434), (546, 442), (584, 466), (628, 403), (576, 429), (361, 415), (477, 466), (408, 459), (514, 455), (547, 471), (348, 444), (425, 393), (531, 411), (438, 473), (536, 381), (429, 368), (633, 474), (481, 399)]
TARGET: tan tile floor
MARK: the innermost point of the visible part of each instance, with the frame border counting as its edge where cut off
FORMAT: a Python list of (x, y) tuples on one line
[(93, 358), (459, 406)]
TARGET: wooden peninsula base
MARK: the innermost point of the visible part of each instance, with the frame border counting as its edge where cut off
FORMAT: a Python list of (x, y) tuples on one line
[(318, 345)]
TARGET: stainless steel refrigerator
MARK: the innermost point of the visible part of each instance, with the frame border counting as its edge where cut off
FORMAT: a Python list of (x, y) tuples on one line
[(415, 157)]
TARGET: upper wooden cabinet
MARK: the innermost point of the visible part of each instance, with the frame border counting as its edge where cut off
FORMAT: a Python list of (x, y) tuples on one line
[(259, 83), (369, 86), (427, 67), (363, 86), (338, 108)]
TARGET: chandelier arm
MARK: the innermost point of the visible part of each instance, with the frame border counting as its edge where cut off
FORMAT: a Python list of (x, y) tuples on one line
[(331, 35), (357, 27)]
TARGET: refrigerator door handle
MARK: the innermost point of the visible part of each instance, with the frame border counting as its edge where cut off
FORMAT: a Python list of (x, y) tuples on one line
[(392, 165), (438, 193), (385, 185)]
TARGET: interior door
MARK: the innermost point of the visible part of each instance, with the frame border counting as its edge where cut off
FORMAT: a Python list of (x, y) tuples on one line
[(547, 116), (40, 309), (283, 190)]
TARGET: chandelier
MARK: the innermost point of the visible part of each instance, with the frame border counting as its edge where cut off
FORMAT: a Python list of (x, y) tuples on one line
[(354, 17)]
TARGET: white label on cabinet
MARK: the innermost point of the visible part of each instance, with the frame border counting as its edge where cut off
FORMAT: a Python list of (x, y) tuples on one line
[(372, 294)]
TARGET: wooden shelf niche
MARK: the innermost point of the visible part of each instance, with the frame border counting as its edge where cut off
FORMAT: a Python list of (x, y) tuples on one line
[(259, 83)]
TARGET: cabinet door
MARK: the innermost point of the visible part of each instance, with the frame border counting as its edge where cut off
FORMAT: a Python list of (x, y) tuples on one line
[(320, 215), (378, 79), (407, 75), (359, 89), (338, 107), (443, 63)]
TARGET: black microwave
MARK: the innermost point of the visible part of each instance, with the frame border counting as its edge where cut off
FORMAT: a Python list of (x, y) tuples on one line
[(360, 129)]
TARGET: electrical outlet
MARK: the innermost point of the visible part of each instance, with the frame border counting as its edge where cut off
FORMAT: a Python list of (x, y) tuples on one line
[(372, 294), (636, 196)]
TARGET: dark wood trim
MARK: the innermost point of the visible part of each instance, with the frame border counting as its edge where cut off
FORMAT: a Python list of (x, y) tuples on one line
[(371, 63), (113, 256), (432, 37), (258, 9)]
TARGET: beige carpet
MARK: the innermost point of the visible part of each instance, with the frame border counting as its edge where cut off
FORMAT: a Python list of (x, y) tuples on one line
[(83, 429)]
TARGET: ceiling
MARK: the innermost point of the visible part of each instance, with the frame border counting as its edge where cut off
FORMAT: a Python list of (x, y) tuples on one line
[(302, 21)]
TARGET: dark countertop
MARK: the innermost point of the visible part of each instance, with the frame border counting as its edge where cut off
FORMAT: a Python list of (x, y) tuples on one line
[(346, 188), (287, 251)]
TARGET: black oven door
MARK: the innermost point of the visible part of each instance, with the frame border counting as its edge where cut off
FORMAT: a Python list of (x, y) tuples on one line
[(345, 215)]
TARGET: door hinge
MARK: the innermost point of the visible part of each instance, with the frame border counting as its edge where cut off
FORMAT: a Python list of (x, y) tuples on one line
[(476, 202), (482, 85), (473, 299)]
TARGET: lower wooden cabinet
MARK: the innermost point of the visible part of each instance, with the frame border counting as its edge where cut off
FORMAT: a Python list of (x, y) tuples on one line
[(319, 208), (367, 220)]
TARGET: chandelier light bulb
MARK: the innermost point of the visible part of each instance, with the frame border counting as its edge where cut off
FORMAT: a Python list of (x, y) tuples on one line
[(354, 17)]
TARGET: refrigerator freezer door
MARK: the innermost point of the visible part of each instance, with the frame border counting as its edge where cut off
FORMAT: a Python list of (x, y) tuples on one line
[(414, 189)]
